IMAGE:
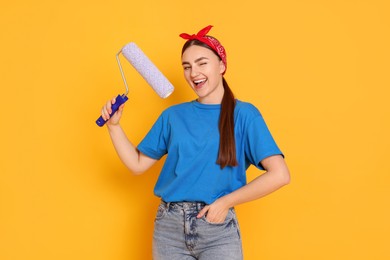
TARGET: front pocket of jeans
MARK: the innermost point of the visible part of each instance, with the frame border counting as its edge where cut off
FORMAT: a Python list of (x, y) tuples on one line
[(228, 218), (161, 212)]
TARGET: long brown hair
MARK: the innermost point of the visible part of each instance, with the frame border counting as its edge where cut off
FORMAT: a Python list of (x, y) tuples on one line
[(227, 144)]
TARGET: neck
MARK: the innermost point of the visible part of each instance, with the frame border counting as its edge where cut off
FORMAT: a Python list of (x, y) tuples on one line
[(213, 98)]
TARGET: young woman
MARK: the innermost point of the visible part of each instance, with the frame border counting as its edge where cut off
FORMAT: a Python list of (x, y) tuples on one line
[(209, 143)]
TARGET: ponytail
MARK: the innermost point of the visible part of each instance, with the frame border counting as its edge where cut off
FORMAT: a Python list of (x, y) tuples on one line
[(227, 144)]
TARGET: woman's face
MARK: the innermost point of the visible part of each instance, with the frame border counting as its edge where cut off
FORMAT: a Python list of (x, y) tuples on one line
[(203, 72)]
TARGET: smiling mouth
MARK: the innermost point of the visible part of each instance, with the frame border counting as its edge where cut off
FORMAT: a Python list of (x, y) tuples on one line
[(199, 83)]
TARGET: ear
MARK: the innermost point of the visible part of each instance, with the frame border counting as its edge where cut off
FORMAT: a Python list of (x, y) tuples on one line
[(222, 67)]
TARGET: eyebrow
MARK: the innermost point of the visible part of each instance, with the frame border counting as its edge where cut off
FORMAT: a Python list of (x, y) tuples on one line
[(197, 60)]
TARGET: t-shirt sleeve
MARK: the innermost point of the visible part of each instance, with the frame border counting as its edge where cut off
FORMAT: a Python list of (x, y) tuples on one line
[(259, 142), (154, 144)]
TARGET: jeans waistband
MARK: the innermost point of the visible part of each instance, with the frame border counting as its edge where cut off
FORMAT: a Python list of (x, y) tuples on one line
[(184, 205)]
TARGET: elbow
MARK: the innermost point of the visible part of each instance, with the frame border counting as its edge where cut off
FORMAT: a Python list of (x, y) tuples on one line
[(285, 177), (278, 169), (136, 171), (282, 177), (286, 180)]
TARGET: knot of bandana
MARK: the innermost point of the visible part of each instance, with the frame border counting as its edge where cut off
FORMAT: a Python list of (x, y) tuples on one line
[(210, 41)]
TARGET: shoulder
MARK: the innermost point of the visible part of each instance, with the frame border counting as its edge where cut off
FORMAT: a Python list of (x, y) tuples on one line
[(246, 109)]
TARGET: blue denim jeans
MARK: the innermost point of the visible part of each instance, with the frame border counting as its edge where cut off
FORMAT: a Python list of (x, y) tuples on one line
[(180, 235)]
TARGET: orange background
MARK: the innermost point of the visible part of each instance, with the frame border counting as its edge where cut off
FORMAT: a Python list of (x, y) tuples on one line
[(317, 70)]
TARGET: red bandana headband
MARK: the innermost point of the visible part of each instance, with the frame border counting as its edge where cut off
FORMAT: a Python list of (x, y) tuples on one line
[(210, 41)]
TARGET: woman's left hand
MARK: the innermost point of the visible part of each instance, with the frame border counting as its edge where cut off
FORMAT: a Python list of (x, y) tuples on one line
[(215, 212)]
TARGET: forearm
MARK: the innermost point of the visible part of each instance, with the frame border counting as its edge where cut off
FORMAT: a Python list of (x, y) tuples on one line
[(257, 188), (126, 151)]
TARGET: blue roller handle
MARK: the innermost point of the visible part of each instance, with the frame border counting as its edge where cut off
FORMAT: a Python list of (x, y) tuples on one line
[(120, 99)]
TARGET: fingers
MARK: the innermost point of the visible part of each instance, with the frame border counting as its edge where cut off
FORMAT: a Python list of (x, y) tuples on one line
[(203, 212), (213, 214), (107, 109)]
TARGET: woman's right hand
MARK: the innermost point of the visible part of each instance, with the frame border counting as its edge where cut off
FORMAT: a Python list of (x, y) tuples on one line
[(106, 111)]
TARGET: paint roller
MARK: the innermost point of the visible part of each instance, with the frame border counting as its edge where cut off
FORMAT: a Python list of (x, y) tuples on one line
[(146, 69)]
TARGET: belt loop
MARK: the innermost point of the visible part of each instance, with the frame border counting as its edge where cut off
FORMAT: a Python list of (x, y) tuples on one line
[(200, 206), (166, 204)]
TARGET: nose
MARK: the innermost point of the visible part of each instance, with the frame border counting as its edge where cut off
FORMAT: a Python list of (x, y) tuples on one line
[(194, 72)]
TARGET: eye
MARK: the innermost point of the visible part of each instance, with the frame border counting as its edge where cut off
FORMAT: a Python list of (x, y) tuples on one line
[(186, 68), (203, 63)]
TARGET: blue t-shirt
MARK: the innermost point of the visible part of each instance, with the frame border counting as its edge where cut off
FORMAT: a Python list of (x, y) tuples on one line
[(188, 133)]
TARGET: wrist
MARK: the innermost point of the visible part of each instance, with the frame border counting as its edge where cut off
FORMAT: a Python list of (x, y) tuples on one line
[(227, 201), (113, 127)]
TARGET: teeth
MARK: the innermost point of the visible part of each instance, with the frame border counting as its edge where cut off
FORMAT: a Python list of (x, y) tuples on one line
[(199, 81)]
